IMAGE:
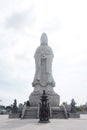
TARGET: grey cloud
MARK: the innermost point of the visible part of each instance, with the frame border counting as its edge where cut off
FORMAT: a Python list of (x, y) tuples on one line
[(20, 20)]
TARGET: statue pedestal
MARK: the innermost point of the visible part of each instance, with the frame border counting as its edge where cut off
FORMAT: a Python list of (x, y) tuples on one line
[(53, 98)]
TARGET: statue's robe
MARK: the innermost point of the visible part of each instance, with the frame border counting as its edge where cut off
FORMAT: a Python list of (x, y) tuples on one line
[(43, 60)]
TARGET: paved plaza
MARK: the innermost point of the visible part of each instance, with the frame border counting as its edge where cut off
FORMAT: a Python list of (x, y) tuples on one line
[(32, 124)]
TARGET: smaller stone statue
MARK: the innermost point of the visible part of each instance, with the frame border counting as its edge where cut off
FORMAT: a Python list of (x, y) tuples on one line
[(28, 104), (73, 107), (44, 111), (14, 108)]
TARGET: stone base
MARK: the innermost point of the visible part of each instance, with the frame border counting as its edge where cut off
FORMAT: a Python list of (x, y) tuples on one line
[(14, 115), (53, 98), (44, 121), (74, 115)]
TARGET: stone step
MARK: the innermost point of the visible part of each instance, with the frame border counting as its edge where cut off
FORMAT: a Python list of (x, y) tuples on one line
[(59, 114), (32, 113)]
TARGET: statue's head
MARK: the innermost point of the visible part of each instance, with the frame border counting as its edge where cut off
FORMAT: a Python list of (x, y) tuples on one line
[(44, 39)]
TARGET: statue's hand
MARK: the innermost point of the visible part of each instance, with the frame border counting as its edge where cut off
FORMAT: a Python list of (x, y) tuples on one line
[(43, 56), (35, 82)]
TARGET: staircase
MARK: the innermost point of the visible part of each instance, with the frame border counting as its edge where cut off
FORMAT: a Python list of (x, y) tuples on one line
[(30, 113), (33, 113), (56, 113)]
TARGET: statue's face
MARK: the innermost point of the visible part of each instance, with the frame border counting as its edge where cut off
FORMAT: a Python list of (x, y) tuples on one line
[(44, 39)]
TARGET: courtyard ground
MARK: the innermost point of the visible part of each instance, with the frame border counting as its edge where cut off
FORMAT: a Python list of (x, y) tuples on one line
[(32, 124)]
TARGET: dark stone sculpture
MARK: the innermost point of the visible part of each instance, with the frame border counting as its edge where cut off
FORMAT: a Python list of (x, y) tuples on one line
[(44, 111), (73, 113), (15, 112), (73, 107), (28, 104), (14, 108)]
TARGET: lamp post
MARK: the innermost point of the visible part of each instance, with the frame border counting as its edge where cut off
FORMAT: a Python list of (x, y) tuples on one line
[(44, 110)]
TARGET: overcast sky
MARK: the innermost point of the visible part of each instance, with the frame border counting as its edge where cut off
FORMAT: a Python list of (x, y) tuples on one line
[(21, 24)]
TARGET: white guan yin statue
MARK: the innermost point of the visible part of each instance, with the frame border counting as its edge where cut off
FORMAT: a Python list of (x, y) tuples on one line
[(43, 60), (43, 79)]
